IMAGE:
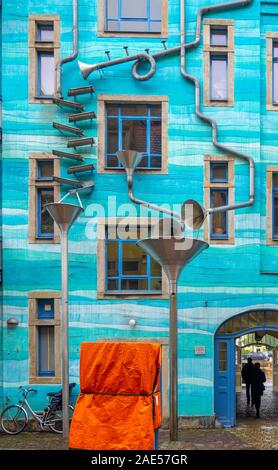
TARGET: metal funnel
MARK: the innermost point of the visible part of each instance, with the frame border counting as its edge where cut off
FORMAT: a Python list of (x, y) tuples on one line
[(64, 214), (173, 254), (193, 214), (129, 159)]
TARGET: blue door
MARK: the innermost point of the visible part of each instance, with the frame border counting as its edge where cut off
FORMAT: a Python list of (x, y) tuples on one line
[(224, 381)]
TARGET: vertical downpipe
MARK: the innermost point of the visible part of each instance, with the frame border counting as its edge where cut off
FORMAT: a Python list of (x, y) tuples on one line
[(173, 363), (74, 54), (64, 333)]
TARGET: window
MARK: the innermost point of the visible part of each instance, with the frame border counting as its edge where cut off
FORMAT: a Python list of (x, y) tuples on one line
[(131, 18), (44, 331), (272, 71), (219, 191), (219, 226), (123, 267), (45, 223), (219, 77), (272, 205), (138, 124), (218, 62), (219, 172), (222, 356), (275, 205), (45, 74), (129, 269), (134, 127), (44, 50), (218, 36), (45, 32), (43, 190)]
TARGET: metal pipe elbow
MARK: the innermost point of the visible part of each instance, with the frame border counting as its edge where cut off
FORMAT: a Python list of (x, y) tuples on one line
[(150, 73)]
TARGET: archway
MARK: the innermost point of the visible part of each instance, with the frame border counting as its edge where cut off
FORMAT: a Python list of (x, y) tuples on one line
[(263, 322)]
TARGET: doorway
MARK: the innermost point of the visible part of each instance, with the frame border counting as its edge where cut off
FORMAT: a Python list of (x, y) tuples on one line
[(227, 364)]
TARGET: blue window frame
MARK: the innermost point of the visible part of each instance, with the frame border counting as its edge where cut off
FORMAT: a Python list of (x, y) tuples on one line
[(45, 170), (45, 224), (219, 172), (219, 77), (134, 127), (45, 85), (45, 32), (275, 73), (134, 16), (275, 206), (219, 220), (46, 351), (45, 309), (129, 269)]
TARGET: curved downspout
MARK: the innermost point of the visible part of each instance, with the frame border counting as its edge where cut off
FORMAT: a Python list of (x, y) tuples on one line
[(202, 116), (73, 56)]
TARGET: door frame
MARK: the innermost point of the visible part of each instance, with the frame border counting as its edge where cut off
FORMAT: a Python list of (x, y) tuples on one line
[(231, 367)]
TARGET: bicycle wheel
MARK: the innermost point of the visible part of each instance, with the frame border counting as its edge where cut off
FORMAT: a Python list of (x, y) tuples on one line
[(13, 419), (56, 421)]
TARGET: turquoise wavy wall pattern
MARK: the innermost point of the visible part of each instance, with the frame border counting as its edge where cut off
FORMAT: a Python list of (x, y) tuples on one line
[(223, 281)]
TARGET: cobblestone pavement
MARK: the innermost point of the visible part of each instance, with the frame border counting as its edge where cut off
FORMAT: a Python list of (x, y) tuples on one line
[(249, 434)]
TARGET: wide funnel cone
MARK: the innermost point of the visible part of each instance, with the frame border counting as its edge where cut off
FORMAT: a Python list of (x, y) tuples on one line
[(64, 214), (172, 253), (129, 159), (193, 214)]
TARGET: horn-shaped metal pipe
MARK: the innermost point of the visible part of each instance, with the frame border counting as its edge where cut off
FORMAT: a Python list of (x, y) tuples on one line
[(87, 69)]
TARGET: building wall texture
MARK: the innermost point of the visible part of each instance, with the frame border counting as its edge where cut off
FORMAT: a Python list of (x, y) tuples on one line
[(226, 279)]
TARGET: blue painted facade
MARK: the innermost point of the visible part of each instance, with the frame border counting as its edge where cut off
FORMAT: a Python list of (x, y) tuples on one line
[(225, 280)]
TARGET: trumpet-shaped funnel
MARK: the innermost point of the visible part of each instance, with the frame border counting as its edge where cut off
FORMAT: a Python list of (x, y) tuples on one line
[(64, 214), (129, 159), (173, 254), (193, 214)]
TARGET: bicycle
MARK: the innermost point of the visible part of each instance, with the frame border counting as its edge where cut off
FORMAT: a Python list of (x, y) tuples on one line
[(14, 418)]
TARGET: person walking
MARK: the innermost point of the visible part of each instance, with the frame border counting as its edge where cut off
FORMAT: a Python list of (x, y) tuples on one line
[(246, 373), (257, 387)]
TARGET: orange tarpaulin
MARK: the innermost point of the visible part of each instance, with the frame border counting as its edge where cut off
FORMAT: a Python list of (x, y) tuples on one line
[(119, 404)]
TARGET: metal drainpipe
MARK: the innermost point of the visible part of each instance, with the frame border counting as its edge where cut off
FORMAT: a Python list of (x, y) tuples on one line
[(203, 117), (74, 54)]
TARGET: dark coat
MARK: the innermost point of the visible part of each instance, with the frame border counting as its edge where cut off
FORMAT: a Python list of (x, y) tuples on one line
[(246, 373), (257, 383)]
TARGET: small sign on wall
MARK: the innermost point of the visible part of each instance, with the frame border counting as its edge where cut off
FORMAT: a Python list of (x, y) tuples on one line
[(200, 350)]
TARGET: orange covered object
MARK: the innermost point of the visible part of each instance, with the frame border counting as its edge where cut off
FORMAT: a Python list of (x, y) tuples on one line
[(119, 405)]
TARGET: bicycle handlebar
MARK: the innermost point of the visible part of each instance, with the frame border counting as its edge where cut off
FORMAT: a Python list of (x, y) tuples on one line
[(27, 390)]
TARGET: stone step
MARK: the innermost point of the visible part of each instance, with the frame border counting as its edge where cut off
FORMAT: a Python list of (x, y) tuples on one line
[(80, 142), (82, 116), (66, 128), (83, 90), (80, 168), (71, 156), (76, 184), (68, 104)]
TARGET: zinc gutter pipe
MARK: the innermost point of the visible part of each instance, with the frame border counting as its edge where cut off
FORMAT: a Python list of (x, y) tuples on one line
[(149, 205), (196, 83), (74, 54)]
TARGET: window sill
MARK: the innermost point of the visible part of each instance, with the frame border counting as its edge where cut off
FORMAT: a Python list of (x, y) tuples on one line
[(45, 380), (125, 34), (133, 295)]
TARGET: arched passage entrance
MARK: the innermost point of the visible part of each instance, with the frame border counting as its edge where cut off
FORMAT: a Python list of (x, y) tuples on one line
[(225, 353)]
